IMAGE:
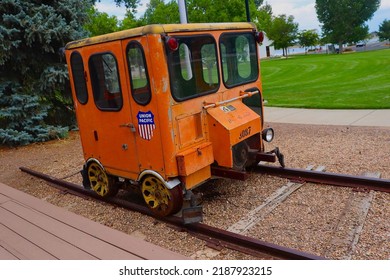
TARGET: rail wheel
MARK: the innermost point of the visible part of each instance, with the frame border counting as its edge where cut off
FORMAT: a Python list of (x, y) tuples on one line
[(240, 155), (161, 200), (103, 184)]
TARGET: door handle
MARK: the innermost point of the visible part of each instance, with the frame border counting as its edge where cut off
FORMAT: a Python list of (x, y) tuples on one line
[(128, 125)]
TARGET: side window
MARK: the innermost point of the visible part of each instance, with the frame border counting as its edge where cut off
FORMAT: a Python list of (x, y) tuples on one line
[(140, 86), (77, 66), (105, 82), (239, 58)]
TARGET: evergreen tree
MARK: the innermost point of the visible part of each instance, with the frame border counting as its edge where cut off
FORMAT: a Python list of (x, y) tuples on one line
[(33, 73), (22, 116)]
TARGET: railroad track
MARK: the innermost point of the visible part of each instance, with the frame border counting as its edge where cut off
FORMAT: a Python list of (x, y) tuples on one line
[(351, 221), (350, 225), (233, 238), (327, 178), (255, 216), (211, 235)]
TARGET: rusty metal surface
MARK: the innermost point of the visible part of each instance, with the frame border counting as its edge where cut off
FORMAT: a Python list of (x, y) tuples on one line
[(250, 243), (229, 173), (160, 29), (265, 157), (225, 238), (327, 178)]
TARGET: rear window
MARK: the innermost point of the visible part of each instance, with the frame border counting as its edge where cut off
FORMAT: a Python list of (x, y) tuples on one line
[(193, 67)]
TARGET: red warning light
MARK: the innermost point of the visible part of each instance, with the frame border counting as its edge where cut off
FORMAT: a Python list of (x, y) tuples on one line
[(259, 37), (172, 43)]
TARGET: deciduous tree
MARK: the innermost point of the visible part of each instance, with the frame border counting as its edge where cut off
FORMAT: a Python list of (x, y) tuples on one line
[(222, 10), (216, 10), (343, 21), (160, 12), (129, 4), (100, 23), (283, 31), (384, 30), (130, 21), (308, 38)]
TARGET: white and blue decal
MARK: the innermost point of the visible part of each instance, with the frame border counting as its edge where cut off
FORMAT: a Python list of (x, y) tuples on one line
[(146, 124)]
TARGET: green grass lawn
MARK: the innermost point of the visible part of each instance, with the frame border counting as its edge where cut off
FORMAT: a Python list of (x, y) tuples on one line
[(358, 80)]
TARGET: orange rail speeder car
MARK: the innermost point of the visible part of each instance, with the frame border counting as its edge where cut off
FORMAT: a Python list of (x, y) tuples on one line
[(162, 107)]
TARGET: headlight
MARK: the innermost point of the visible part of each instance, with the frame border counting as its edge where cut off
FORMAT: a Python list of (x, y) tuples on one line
[(267, 134)]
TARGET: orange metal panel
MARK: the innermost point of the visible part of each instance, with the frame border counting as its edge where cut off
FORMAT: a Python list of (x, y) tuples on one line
[(103, 134), (195, 159), (189, 124), (229, 125), (190, 129), (159, 152), (148, 138), (159, 29), (196, 178)]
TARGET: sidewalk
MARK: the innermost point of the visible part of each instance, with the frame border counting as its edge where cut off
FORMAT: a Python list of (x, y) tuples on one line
[(328, 117)]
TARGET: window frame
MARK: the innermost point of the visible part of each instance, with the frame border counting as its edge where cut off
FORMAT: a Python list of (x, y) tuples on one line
[(94, 80), (171, 68), (77, 79), (246, 81)]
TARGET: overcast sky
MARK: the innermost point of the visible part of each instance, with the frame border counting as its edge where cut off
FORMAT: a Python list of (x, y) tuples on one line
[(302, 10)]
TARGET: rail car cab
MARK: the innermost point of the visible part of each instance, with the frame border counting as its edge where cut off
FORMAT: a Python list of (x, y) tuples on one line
[(162, 107)]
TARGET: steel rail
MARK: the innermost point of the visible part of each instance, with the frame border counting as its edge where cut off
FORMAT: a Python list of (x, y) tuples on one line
[(334, 179), (228, 239)]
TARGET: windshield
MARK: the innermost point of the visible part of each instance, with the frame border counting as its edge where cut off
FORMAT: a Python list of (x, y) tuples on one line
[(239, 58), (193, 67)]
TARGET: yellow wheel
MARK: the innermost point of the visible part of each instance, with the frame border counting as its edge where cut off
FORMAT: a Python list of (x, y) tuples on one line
[(103, 184), (159, 199)]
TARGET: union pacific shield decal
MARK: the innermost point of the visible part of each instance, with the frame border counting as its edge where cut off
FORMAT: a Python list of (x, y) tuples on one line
[(146, 124)]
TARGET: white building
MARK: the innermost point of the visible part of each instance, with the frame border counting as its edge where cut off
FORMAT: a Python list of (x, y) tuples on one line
[(266, 48)]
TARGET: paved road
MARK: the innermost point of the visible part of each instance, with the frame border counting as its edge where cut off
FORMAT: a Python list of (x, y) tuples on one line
[(371, 46)]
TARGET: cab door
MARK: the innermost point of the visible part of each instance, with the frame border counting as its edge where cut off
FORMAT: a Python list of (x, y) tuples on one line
[(144, 102), (110, 127)]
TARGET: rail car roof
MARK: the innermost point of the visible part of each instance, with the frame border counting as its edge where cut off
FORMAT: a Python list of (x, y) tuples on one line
[(159, 29)]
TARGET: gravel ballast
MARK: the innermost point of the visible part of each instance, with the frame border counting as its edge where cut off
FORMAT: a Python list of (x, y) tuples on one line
[(312, 219)]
